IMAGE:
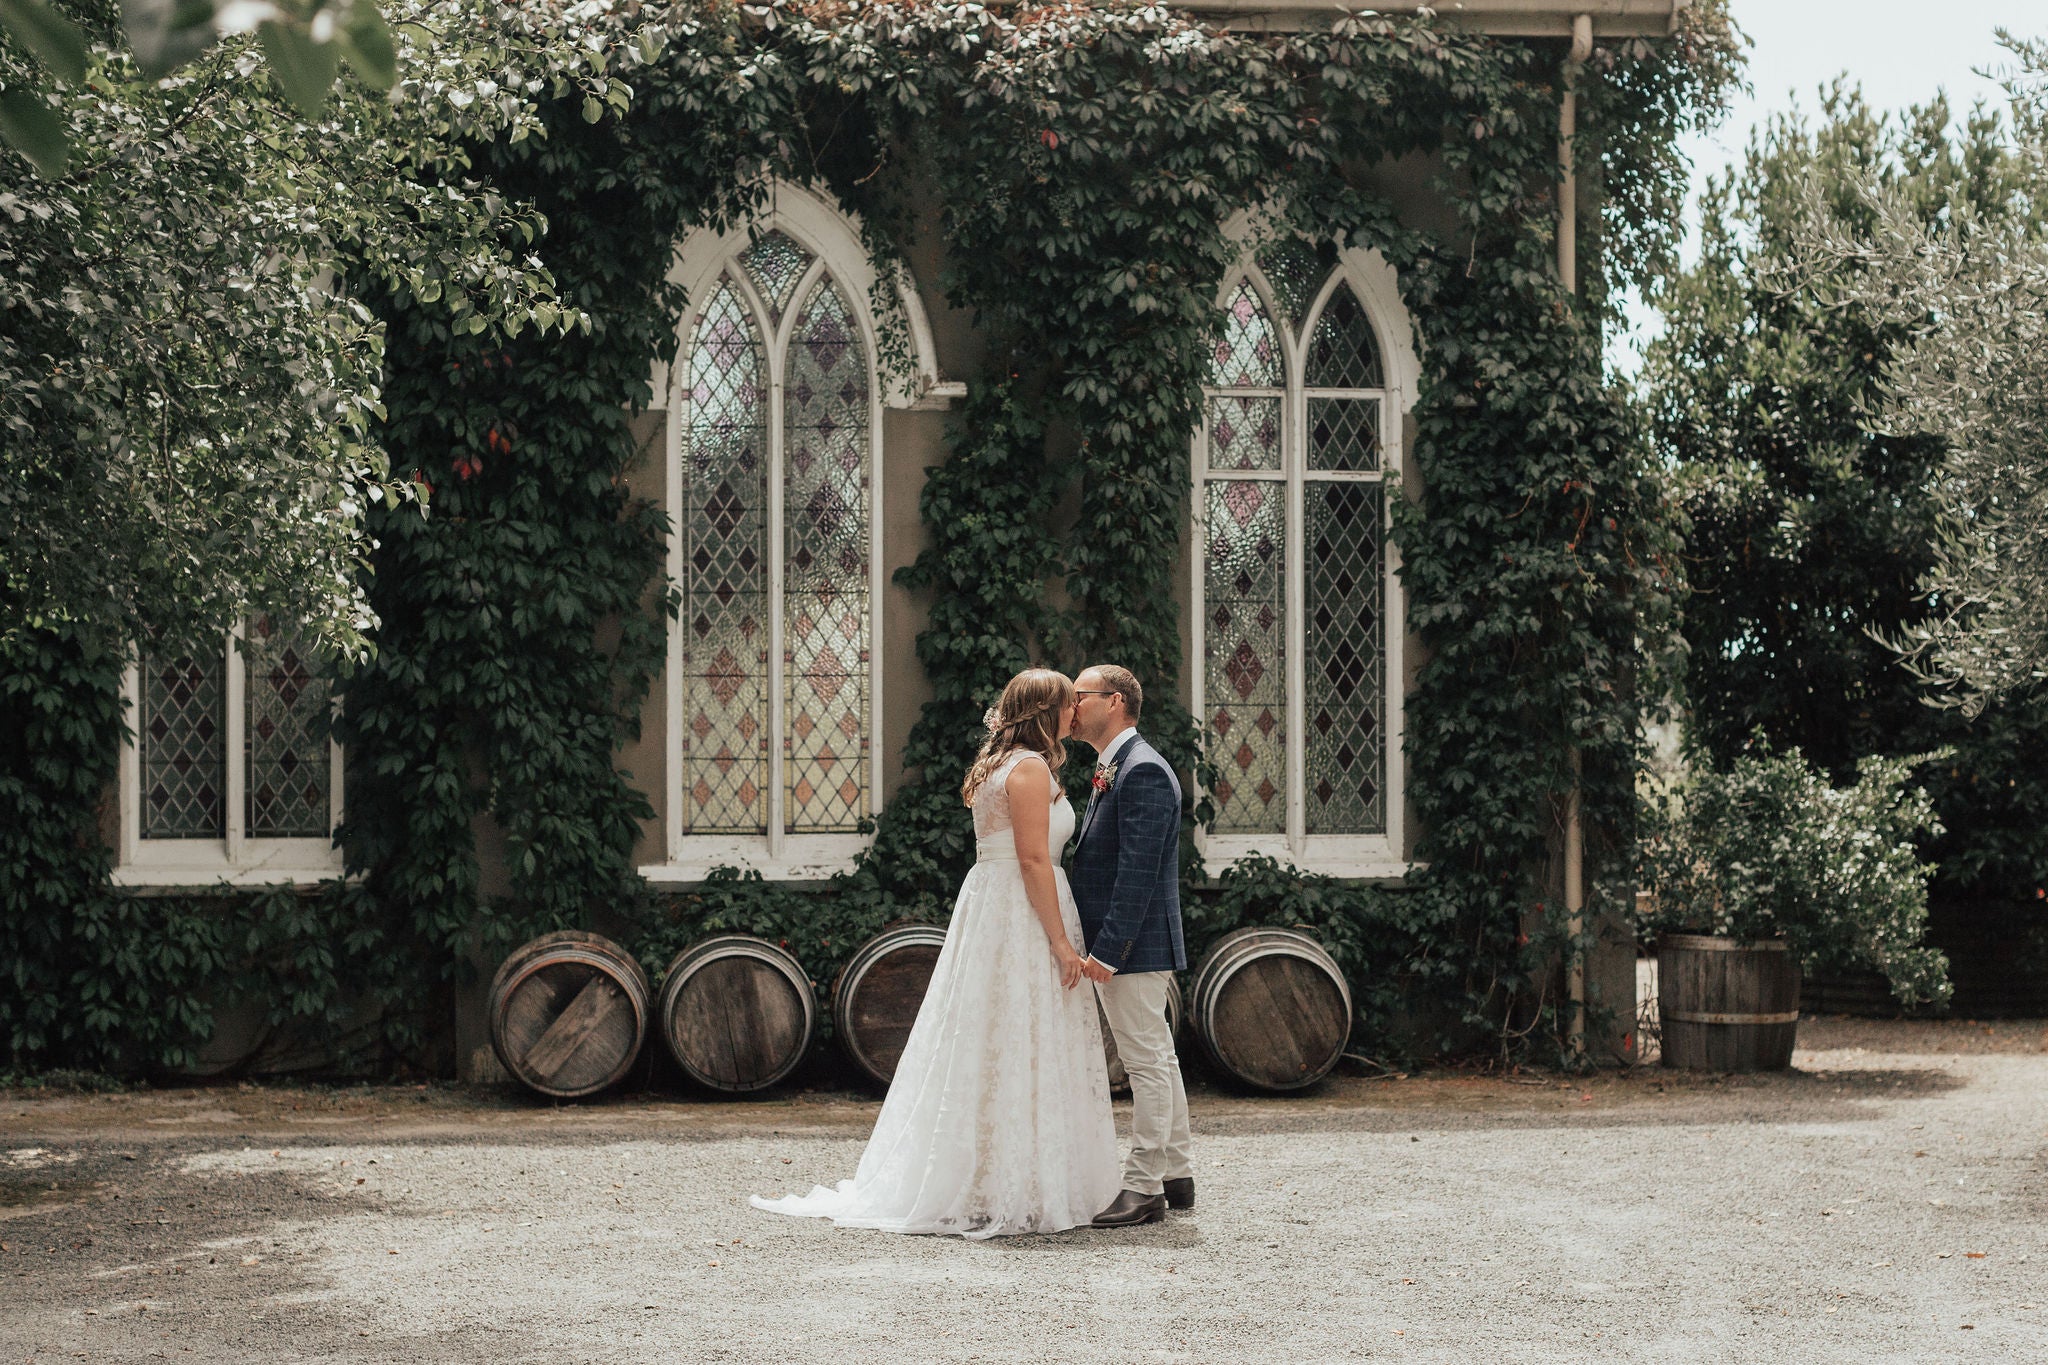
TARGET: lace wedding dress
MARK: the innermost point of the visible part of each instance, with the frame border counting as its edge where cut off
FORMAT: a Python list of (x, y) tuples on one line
[(998, 1120)]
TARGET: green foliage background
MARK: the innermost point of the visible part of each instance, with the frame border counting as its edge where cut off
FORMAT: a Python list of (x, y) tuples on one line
[(1808, 532), (1085, 162)]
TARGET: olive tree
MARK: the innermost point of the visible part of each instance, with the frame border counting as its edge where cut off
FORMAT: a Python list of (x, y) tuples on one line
[(1970, 298)]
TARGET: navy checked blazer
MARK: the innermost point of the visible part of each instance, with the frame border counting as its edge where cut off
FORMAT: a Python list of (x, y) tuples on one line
[(1126, 866)]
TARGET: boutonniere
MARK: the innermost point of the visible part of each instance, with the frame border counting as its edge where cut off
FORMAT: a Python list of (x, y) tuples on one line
[(1104, 779)]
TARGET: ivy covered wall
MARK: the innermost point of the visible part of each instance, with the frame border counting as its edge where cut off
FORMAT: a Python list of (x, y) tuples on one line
[(1083, 162)]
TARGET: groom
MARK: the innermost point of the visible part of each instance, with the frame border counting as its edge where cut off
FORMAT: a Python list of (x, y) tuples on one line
[(1126, 880)]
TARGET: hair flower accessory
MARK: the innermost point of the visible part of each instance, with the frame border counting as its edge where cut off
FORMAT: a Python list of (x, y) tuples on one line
[(1104, 779), (992, 720)]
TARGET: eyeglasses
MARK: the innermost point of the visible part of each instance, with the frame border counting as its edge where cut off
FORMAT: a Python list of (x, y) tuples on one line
[(1085, 692)]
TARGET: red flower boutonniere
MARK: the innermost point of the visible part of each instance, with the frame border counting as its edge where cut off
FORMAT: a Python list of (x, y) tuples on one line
[(1104, 779)]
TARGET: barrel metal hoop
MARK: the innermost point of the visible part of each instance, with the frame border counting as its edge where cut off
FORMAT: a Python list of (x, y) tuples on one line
[(1708, 1017), (1709, 943)]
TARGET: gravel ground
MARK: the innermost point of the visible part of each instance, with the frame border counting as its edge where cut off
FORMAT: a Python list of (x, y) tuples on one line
[(1883, 1202)]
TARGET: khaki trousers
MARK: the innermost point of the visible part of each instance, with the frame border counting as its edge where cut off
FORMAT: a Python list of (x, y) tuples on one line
[(1135, 1006)]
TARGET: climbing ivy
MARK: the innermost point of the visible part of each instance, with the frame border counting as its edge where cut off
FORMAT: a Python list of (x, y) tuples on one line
[(1085, 161)]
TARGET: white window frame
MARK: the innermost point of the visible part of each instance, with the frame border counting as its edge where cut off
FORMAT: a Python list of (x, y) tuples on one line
[(237, 859), (835, 244), (1378, 857)]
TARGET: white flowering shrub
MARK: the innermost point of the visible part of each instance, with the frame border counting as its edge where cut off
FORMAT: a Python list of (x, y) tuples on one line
[(1768, 849)]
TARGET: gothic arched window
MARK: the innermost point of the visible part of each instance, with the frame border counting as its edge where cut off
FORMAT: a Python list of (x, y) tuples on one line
[(776, 412), (1296, 603)]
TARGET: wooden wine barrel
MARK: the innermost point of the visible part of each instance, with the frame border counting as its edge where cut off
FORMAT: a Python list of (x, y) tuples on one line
[(1119, 1079), (1271, 1008), (737, 1012), (568, 1013), (875, 998), (1724, 1005)]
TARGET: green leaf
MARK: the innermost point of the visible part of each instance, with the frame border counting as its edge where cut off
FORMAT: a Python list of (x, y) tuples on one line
[(48, 34), (35, 131), (592, 110), (367, 44), (166, 34), (304, 69)]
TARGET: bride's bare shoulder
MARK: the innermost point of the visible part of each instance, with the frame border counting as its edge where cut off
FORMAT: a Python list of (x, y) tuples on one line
[(1028, 777)]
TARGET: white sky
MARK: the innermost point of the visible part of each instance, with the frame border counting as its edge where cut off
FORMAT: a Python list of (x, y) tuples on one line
[(1899, 51)]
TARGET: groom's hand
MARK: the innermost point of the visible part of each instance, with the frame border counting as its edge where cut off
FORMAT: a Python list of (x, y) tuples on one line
[(1095, 971)]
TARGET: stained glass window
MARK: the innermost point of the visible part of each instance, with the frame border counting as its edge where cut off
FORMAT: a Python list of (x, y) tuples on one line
[(1296, 269), (825, 569), (1293, 508), (284, 737), (1244, 666), (1344, 434), (724, 615), (1244, 433), (1343, 353), (183, 748), (1247, 354), (775, 263), (1344, 668)]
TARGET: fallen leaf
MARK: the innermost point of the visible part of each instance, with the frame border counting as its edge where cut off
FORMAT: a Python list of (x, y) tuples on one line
[(249, 1260), (1975, 1255)]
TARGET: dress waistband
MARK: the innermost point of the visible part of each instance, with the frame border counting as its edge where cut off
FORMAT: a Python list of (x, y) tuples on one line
[(997, 848)]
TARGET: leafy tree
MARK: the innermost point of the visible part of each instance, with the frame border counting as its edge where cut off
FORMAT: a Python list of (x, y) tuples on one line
[(304, 40), (1812, 527), (1969, 298), (188, 386)]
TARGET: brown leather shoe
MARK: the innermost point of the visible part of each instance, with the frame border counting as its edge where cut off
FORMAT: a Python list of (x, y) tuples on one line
[(1180, 1192), (1131, 1209)]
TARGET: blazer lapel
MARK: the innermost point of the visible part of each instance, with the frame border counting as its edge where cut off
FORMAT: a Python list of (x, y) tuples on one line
[(1096, 798)]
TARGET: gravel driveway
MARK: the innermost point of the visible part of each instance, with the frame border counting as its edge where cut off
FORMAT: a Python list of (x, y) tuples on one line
[(1884, 1202)]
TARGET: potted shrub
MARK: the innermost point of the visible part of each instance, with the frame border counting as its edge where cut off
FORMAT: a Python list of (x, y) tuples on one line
[(1765, 870)]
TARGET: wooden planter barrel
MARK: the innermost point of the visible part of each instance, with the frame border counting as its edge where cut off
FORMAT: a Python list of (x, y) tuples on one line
[(1724, 1005), (568, 1013), (1271, 1008), (876, 995), (1119, 1079), (737, 1012)]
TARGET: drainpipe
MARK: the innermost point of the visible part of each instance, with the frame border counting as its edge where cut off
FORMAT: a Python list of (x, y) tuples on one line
[(1568, 275)]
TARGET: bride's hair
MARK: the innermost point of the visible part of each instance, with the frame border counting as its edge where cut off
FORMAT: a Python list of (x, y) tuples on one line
[(1028, 718)]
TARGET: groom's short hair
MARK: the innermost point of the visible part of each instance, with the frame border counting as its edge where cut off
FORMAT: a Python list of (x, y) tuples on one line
[(1124, 683)]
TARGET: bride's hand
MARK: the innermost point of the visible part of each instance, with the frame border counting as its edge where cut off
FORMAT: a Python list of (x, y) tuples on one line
[(1069, 964)]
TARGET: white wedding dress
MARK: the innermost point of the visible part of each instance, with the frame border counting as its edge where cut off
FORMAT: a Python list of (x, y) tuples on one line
[(998, 1119)]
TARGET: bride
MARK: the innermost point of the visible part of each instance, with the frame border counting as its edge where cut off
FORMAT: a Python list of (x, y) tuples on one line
[(998, 1119)]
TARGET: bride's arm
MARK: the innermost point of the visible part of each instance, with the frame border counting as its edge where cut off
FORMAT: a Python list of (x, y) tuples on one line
[(1030, 791)]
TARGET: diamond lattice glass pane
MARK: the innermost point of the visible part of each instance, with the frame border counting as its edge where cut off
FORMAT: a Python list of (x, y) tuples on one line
[(182, 741), (1343, 353), (1244, 671), (1296, 269), (285, 744), (1247, 354), (724, 618), (1344, 662), (776, 264), (1244, 433), (825, 570), (1344, 433)]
